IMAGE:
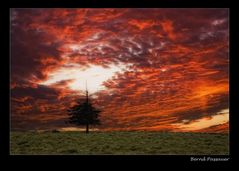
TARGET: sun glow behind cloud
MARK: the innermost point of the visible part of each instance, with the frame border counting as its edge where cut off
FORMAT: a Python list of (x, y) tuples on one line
[(221, 118), (93, 75)]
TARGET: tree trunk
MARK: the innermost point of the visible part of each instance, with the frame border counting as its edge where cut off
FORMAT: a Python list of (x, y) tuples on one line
[(87, 128)]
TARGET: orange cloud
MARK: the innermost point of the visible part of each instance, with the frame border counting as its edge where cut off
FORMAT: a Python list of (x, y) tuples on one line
[(142, 24), (169, 29)]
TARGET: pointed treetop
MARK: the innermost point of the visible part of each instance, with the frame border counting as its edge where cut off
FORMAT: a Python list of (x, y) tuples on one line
[(86, 92), (86, 85)]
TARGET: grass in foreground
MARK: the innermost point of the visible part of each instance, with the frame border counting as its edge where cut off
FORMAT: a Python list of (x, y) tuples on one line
[(119, 143)]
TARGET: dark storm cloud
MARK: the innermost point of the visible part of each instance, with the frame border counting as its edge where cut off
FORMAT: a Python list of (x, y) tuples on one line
[(30, 48), (40, 92), (36, 107)]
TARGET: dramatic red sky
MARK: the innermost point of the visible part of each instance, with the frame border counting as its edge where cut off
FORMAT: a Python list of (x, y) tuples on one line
[(147, 69)]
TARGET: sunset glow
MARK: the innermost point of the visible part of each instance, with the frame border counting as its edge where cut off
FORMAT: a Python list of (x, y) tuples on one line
[(221, 118), (94, 76), (146, 69)]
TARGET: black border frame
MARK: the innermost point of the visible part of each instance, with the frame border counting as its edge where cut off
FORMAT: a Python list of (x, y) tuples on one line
[(136, 160)]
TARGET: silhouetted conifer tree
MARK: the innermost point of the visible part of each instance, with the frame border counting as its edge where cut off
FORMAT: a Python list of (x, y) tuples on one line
[(84, 113)]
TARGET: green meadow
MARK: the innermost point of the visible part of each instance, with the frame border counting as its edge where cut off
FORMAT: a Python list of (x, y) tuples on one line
[(118, 143)]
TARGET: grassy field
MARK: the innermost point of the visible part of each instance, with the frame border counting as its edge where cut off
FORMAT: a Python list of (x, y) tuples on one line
[(119, 143)]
